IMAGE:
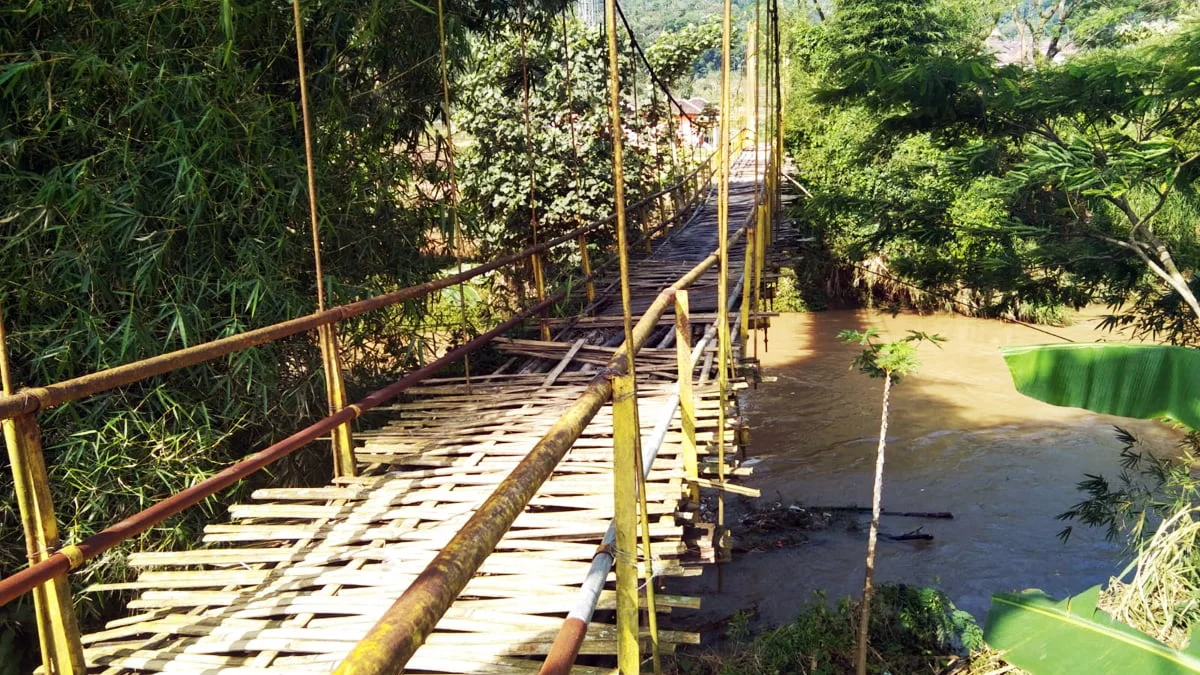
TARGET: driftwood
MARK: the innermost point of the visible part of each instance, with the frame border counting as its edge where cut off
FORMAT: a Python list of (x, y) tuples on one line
[(944, 515), (912, 535)]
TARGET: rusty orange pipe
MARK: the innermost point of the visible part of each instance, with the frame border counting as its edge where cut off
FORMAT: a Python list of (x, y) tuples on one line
[(31, 400), (403, 628), (70, 557)]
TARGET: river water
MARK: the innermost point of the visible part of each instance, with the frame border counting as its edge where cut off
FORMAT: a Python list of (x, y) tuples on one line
[(961, 439)]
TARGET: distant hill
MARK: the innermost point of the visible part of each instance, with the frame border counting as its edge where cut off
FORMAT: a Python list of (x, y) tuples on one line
[(650, 18)]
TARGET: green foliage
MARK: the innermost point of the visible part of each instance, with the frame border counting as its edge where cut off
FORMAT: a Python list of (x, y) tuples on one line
[(917, 629), (567, 152), (1131, 380), (1003, 186), (1044, 636), (788, 296), (153, 182), (893, 359), (1163, 596), (674, 54), (1149, 489)]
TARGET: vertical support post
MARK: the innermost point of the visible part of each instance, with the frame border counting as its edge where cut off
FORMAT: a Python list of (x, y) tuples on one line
[(539, 280), (778, 119), (748, 265), (585, 259), (644, 221), (625, 432), (760, 246), (723, 338), (58, 628), (344, 463), (335, 388), (456, 222), (647, 554), (687, 401)]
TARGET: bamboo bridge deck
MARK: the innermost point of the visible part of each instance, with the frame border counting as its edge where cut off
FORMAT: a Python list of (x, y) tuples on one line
[(297, 576)]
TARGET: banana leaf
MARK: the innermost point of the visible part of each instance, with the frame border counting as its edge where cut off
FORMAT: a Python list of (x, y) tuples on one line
[(1130, 380), (1047, 637)]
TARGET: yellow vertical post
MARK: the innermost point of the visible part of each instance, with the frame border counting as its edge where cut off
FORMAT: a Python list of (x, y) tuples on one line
[(344, 463), (625, 433), (760, 246), (687, 402), (723, 252), (585, 259), (58, 628), (644, 220), (751, 98), (335, 387), (752, 115), (625, 411), (647, 554), (752, 76), (539, 279), (539, 276), (778, 118), (748, 264)]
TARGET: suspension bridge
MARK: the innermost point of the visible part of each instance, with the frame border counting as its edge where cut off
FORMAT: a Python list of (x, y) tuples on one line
[(515, 521)]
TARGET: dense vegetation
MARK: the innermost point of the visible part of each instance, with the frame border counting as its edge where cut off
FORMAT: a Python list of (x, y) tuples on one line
[(1009, 189), (1016, 161), (152, 167), (915, 630)]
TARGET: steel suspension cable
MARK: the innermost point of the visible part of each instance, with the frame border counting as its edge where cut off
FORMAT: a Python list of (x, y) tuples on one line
[(456, 226)]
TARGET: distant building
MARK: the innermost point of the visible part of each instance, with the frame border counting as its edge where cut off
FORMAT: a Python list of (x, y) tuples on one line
[(687, 114)]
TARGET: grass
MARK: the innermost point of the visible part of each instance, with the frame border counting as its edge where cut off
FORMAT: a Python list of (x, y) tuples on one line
[(913, 630)]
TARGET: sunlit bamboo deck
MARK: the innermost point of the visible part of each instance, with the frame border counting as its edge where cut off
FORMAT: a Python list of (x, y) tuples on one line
[(296, 576)]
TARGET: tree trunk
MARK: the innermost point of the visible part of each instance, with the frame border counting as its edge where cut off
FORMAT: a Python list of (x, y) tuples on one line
[(876, 502)]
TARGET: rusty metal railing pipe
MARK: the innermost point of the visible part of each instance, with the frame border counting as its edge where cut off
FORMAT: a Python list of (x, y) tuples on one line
[(405, 625), (569, 639), (34, 399), (70, 557)]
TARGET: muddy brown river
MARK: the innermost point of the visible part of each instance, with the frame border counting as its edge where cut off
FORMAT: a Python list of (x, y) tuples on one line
[(961, 439)]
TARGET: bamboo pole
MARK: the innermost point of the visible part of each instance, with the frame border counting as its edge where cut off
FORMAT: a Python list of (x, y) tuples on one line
[(687, 401), (749, 260), (723, 337), (625, 507), (341, 438), (778, 166), (58, 628), (625, 445)]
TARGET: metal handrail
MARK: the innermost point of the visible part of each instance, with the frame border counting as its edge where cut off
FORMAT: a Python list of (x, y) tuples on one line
[(403, 628), (30, 401)]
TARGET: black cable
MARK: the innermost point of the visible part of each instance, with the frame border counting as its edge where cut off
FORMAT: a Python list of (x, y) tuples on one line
[(653, 75)]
